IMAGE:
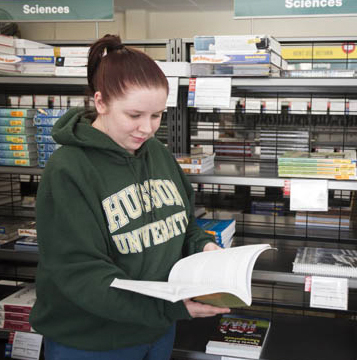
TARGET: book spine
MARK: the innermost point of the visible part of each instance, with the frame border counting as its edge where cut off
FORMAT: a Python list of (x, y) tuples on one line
[(15, 325), (5, 315), (16, 130), (50, 113), (15, 308), (16, 147), (16, 139), (37, 59), (21, 113), (44, 130), (44, 155), (45, 139), (17, 154), (45, 121), (17, 162), (15, 122), (48, 147)]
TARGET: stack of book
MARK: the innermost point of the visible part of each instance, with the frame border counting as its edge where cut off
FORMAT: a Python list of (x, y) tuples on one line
[(275, 143), (237, 55), (239, 336), (223, 230), (71, 60), (331, 165), (195, 164), (15, 309), (267, 208), (325, 262), (44, 121), (234, 149), (334, 218), (27, 57), (17, 141)]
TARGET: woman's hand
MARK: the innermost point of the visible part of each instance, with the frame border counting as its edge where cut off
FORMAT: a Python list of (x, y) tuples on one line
[(197, 309), (211, 246)]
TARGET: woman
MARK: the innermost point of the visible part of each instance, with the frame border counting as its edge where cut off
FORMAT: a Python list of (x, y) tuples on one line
[(113, 203)]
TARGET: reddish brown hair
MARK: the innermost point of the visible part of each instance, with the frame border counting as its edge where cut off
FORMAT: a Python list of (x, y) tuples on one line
[(114, 67)]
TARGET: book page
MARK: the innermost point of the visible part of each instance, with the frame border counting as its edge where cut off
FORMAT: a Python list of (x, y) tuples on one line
[(221, 271)]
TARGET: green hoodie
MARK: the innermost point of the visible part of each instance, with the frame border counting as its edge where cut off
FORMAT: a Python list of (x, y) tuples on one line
[(95, 223)]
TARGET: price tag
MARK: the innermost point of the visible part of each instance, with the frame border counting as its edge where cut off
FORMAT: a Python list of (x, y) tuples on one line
[(307, 283), (173, 91), (212, 92), (308, 195), (26, 346), (329, 293)]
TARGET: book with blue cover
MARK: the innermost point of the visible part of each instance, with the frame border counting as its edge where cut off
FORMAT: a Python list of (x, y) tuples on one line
[(45, 113), (44, 130), (48, 147), (18, 154), (17, 147), (44, 139), (223, 230)]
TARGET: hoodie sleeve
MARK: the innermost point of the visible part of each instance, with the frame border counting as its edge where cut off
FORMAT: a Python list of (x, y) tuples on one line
[(196, 237), (76, 261)]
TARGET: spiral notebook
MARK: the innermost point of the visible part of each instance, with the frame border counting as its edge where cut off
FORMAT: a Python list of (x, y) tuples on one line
[(326, 262)]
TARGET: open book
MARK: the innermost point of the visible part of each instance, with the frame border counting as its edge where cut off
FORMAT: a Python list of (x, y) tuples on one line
[(221, 278)]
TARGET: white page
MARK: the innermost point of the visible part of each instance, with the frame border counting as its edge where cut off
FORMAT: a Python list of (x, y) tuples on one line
[(337, 107), (213, 92), (26, 346), (253, 106), (319, 106), (173, 91), (309, 195), (329, 292), (204, 273)]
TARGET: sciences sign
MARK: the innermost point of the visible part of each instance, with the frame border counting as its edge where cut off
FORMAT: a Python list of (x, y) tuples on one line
[(55, 10), (287, 8)]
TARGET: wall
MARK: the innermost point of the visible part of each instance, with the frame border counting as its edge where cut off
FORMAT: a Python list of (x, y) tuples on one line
[(140, 24)]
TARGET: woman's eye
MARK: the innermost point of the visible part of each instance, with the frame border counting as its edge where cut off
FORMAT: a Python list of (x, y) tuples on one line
[(135, 116)]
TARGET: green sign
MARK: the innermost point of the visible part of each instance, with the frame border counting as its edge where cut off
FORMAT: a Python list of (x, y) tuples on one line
[(55, 10), (287, 8)]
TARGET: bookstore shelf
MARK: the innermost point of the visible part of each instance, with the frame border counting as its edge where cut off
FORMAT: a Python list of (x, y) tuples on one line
[(290, 338), (275, 287)]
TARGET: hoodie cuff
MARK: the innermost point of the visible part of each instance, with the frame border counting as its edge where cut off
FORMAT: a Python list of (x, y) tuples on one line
[(176, 311)]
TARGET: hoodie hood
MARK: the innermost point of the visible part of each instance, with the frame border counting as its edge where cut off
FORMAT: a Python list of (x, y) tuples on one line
[(75, 128)]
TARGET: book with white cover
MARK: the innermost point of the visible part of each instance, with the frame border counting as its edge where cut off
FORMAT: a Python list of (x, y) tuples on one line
[(326, 262), (222, 278)]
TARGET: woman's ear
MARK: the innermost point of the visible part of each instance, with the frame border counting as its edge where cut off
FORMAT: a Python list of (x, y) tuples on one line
[(100, 106)]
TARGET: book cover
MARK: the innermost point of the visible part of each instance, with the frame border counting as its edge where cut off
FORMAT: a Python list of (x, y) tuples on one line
[(201, 274), (45, 113), (239, 336), (26, 243), (20, 301), (326, 262), (6, 315)]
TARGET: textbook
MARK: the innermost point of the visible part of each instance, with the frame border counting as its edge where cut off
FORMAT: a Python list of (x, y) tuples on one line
[(239, 336), (223, 230), (325, 262), (221, 278)]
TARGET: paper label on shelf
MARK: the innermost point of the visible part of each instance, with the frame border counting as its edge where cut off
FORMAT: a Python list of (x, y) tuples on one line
[(308, 195), (26, 346), (329, 293), (211, 92), (286, 190), (173, 91), (307, 284)]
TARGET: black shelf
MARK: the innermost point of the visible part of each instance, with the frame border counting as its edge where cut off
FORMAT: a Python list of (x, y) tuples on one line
[(290, 338)]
